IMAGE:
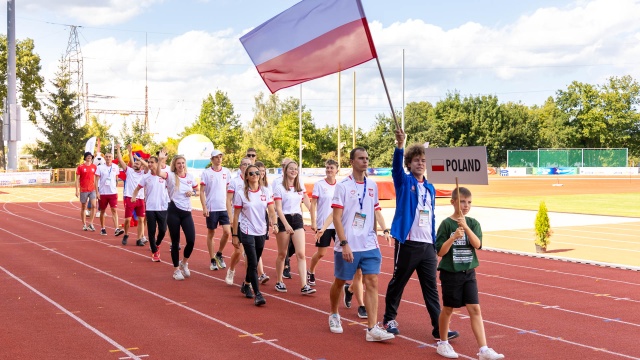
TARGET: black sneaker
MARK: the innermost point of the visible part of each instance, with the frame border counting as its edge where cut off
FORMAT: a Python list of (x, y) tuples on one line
[(124, 239), (286, 273), (391, 326), (311, 279), (307, 290), (450, 336), (246, 290), (259, 300), (139, 242), (362, 312), (348, 295), (103, 231), (119, 232)]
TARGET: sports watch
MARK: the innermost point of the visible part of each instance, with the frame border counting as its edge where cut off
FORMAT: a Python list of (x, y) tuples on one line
[(343, 242)]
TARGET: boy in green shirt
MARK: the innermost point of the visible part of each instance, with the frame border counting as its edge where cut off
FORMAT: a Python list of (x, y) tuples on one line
[(456, 242)]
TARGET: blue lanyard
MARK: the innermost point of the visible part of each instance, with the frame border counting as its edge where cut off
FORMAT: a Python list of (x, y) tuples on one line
[(424, 197), (364, 191)]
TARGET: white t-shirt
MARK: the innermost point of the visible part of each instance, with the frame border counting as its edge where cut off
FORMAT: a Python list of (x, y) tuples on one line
[(177, 194), (155, 189), (421, 232), (108, 177), (291, 199), (323, 192), (348, 196), (133, 179), (252, 220), (215, 188)]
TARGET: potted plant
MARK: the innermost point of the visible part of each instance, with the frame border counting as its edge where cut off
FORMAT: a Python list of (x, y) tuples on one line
[(543, 229)]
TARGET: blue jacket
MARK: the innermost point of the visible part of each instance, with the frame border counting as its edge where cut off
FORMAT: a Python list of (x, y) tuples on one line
[(407, 199)]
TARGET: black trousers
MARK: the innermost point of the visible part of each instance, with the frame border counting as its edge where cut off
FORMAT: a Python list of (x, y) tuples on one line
[(409, 257), (154, 218), (253, 246), (176, 219)]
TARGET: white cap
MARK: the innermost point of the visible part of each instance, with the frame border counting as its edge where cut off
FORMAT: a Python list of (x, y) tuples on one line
[(216, 153)]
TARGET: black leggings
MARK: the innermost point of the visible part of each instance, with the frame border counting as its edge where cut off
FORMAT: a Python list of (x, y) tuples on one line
[(177, 218), (253, 246), (153, 218)]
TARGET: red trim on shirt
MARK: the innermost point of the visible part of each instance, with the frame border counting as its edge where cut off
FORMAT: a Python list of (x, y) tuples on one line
[(230, 191), (269, 203), (315, 197), (277, 198), (336, 206), (237, 206), (334, 182), (203, 184)]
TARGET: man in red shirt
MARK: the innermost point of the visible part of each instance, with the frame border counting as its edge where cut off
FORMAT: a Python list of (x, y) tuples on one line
[(86, 189)]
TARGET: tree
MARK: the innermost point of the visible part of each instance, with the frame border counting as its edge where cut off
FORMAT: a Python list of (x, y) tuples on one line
[(59, 125), (101, 131), (29, 80), (379, 142), (137, 134)]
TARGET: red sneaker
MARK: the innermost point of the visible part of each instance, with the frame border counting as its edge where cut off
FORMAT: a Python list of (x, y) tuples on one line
[(156, 256)]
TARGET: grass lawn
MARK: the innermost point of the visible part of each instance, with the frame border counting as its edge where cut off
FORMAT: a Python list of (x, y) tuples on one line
[(597, 204)]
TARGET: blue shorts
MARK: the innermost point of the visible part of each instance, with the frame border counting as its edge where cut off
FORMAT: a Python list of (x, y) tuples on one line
[(369, 261), (217, 217)]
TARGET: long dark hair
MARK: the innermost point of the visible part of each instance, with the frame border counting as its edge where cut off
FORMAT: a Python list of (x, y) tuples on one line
[(246, 180)]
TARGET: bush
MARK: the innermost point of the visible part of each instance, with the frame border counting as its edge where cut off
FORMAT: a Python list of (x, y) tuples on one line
[(543, 228)]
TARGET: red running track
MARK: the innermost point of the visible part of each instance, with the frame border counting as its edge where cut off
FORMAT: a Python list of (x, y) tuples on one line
[(69, 294)]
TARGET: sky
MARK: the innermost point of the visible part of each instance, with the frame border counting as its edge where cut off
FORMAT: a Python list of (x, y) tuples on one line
[(520, 51)]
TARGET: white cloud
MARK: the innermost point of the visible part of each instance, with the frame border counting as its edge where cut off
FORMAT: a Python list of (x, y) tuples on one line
[(92, 12)]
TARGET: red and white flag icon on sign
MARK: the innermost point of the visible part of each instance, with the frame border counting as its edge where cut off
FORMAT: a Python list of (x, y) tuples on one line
[(437, 165)]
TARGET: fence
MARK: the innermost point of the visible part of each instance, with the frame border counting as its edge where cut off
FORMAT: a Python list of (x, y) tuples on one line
[(568, 158)]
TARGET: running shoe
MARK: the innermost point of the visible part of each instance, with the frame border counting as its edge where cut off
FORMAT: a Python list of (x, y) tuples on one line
[(91, 228), (311, 279), (184, 267), (391, 327), (85, 228), (307, 290), (259, 300), (213, 265), (490, 354), (87, 212), (376, 333), (446, 350), (286, 273), (220, 261), (246, 290), (335, 325), (124, 239), (281, 287), (139, 242), (103, 231), (450, 335), (156, 256), (263, 279), (177, 275), (348, 296), (362, 312), (229, 278), (119, 232), (144, 240)]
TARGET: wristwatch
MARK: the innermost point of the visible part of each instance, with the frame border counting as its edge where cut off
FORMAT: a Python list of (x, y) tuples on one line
[(343, 242)]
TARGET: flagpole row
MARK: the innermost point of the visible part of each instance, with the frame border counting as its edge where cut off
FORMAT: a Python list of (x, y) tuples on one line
[(386, 90)]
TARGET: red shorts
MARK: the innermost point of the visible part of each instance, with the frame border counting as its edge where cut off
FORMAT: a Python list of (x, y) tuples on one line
[(111, 200), (129, 206)]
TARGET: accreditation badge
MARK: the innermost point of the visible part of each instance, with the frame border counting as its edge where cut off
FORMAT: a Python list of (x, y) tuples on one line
[(358, 220), (423, 219)]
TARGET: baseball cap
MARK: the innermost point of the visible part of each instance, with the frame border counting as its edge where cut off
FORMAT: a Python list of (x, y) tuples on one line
[(216, 153)]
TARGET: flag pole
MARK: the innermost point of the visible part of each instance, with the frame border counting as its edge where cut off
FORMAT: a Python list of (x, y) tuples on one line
[(300, 130), (386, 90), (458, 195)]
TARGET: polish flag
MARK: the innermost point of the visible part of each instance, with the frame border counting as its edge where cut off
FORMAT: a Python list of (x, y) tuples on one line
[(309, 40), (437, 165)]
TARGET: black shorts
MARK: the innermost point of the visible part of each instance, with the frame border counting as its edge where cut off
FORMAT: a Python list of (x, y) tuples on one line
[(294, 220), (217, 217), (325, 239), (459, 288)]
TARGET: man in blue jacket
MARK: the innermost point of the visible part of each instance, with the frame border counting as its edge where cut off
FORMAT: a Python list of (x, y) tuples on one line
[(413, 229)]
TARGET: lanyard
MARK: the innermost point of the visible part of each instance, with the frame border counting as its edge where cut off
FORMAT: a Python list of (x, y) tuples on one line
[(424, 197), (364, 191)]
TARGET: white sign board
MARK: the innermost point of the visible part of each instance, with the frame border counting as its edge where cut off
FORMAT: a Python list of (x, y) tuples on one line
[(468, 164)]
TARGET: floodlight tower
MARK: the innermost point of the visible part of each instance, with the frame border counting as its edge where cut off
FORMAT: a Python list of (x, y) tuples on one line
[(73, 57)]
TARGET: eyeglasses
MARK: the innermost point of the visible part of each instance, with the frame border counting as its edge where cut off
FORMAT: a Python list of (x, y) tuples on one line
[(251, 155), (256, 173), (245, 165)]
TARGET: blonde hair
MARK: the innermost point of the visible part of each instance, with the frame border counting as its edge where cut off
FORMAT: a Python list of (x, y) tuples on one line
[(263, 180), (173, 168), (296, 181)]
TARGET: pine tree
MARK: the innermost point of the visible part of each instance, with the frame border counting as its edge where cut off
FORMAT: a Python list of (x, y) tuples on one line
[(60, 118), (543, 228)]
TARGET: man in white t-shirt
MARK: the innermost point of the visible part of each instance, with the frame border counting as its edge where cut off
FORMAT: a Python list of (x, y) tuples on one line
[(134, 175), (106, 178), (214, 182), (355, 212), (236, 185)]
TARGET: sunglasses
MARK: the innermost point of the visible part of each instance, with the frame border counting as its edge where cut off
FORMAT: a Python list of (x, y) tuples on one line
[(256, 173), (251, 155)]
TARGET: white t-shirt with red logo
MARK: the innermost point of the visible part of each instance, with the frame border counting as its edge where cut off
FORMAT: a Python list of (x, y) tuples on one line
[(215, 188), (252, 210), (291, 199), (177, 194), (348, 196), (323, 193), (108, 177), (133, 179), (155, 189)]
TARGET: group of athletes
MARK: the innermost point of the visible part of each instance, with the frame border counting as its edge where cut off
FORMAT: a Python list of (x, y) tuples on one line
[(249, 207)]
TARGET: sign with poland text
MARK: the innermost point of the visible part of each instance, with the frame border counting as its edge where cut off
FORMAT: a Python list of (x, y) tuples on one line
[(468, 164)]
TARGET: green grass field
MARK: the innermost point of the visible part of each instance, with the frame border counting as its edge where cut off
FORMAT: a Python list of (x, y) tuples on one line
[(596, 204)]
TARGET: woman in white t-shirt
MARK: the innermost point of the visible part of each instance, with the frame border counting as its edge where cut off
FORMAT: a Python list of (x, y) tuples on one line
[(251, 203), (288, 195), (181, 187)]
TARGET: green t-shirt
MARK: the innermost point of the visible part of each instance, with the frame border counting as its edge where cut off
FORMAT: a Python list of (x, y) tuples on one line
[(461, 255)]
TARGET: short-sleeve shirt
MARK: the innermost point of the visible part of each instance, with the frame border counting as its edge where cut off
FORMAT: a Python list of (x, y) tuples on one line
[(215, 188), (87, 174), (421, 232), (252, 209), (461, 255), (177, 194), (323, 193), (347, 196), (155, 189), (290, 198), (108, 177), (133, 179)]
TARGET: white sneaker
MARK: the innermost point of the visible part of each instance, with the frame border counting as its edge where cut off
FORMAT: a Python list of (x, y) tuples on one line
[(378, 334), (335, 325), (446, 350), (489, 354), (229, 278), (184, 267), (177, 275), (87, 213)]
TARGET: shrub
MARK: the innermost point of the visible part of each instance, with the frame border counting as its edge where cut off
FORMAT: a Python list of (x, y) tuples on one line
[(543, 228)]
